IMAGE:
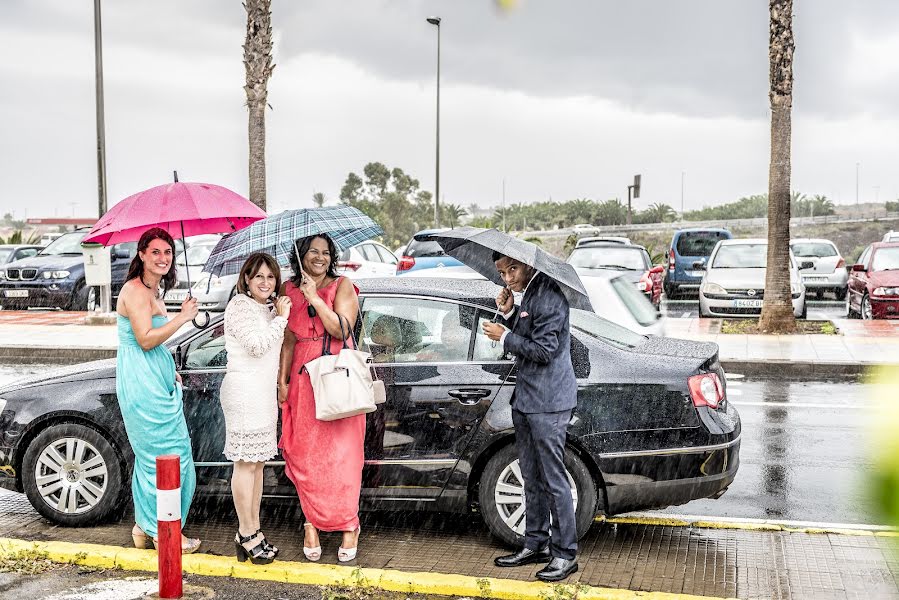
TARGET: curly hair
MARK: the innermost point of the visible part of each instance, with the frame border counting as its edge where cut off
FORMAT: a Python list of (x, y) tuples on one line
[(302, 246)]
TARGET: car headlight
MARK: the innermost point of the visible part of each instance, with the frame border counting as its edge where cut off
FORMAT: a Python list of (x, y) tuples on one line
[(211, 282), (56, 274), (886, 291), (795, 288), (2, 274), (713, 288)]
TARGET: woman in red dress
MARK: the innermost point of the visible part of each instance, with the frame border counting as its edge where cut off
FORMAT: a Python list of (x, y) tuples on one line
[(323, 458)]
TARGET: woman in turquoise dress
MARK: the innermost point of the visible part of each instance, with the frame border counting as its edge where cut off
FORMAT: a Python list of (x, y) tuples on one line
[(147, 385)]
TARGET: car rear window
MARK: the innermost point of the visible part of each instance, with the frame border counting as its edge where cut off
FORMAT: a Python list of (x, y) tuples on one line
[(699, 243), (417, 249), (813, 249), (624, 258)]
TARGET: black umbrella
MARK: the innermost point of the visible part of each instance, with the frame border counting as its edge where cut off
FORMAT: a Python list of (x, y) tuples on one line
[(475, 246)]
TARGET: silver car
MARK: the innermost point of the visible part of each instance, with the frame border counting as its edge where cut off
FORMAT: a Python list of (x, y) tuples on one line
[(734, 281), (829, 273)]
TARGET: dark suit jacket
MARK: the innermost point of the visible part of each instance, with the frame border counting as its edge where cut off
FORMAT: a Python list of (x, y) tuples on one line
[(540, 338)]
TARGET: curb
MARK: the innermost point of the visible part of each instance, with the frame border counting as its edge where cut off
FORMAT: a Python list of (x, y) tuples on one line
[(130, 559), (798, 369), (51, 355), (755, 525)]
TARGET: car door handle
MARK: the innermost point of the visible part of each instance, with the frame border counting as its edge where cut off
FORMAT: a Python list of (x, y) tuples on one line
[(469, 397)]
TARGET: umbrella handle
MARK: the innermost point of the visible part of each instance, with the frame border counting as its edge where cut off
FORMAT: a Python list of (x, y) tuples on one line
[(205, 324)]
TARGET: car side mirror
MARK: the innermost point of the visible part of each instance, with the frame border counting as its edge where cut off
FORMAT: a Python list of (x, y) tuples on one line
[(859, 268), (699, 266), (806, 264)]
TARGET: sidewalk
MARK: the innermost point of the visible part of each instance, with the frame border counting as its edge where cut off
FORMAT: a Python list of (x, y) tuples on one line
[(627, 558), (62, 337)]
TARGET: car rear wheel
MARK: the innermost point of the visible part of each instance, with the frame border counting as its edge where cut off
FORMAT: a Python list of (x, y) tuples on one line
[(502, 500), (867, 310), (840, 293), (72, 475), (670, 291)]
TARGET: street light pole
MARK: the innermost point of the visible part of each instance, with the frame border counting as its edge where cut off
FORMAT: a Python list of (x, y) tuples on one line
[(504, 205), (856, 186), (436, 22), (105, 290), (682, 175)]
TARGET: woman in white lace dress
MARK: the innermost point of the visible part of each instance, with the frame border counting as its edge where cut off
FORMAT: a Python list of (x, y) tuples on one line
[(253, 336)]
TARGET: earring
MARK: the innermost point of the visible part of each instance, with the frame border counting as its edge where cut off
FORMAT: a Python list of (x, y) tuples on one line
[(249, 294)]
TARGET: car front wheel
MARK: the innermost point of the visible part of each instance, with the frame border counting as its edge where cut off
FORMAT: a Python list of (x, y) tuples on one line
[(72, 475), (867, 310), (502, 499)]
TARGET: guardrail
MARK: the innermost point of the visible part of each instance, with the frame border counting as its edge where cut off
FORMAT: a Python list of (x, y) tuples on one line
[(721, 223)]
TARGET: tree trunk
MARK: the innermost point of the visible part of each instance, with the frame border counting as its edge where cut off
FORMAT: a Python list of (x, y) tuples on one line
[(777, 310), (257, 58)]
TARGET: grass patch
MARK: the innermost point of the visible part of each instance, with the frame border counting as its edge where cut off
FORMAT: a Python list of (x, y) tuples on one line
[(27, 562), (751, 326)]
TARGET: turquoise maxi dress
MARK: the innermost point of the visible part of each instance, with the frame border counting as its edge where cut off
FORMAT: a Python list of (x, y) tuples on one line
[(151, 405)]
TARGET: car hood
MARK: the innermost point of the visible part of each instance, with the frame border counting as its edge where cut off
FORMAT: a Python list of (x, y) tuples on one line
[(884, 278), (741, 278), (55, 262), (97, 369)]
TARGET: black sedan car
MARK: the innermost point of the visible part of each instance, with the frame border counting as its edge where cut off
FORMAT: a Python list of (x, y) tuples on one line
[(653, 426)]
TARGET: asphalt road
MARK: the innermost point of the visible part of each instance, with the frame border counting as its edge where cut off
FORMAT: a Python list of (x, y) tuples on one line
[(818, 310), (803, 451)]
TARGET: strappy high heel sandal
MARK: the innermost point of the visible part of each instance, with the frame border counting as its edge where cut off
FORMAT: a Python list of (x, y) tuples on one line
[(348, 554), (268, 545), (313, 554), (138, 536), (258, 555)]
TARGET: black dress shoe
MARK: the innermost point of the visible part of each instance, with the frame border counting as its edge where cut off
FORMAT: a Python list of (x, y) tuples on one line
[(523, 557), (557, 570)]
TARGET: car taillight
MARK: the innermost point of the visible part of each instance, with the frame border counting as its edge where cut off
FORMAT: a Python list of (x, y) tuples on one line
[(406, 263), (706, 390), (346, 264), (841, 263), (671, 260)]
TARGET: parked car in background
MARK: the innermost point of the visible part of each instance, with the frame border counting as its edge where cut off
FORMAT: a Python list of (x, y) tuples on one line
[(190, 268), (734, 280), (891, 236), (54, 277), (586, 241), (689, 246), (13, 252), (630, 260), (583, 227), (368, 259), (424, 255), (654, 426), (874, 283), (829, 273)]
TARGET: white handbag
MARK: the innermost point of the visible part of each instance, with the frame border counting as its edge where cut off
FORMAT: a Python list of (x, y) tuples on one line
[(342, 384)]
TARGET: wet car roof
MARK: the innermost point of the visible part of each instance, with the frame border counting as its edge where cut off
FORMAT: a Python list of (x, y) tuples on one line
[(477, 291)]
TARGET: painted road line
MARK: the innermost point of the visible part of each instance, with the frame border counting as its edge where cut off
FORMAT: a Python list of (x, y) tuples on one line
[(94, 555), (747, 524)]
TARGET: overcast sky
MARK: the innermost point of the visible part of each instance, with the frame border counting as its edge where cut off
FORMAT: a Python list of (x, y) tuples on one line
[(563, 99)]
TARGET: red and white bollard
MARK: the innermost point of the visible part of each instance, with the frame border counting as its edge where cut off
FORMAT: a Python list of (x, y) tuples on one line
[(168, 516)]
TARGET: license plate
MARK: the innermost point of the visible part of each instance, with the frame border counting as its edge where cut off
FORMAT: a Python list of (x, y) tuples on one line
[(695, 273), (816, 279), (16, 293), (176, 296), (747, 303)]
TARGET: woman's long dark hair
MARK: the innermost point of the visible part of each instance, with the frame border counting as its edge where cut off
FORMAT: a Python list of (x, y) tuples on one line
[(302, 246), (136, 269)]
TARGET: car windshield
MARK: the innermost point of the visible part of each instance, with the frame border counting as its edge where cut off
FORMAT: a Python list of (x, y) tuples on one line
[(595, 326), (623, 258), (699, 243), (4, 254), (69, 243), (197, 254), (417, 249), (741, 256), (813, 249), (885, 259)]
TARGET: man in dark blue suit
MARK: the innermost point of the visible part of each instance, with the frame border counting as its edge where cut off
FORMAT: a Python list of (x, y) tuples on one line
[(545, 395)]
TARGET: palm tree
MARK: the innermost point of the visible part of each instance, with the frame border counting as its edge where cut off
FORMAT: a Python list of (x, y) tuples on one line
[(318, 199), (777, 309), (451, 214), (661, 213), (257, 60)]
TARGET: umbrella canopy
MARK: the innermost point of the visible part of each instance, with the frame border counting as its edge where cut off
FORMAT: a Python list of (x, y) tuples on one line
[(276, 235), (475, 246), (182, 209)]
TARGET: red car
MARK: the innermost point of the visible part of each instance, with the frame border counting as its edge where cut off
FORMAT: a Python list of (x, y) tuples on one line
[(874, 283)]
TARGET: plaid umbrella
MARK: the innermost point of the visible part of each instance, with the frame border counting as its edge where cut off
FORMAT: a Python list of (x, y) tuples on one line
[(276, 235)]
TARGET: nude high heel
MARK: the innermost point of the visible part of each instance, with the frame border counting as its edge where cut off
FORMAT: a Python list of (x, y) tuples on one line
[(313, 554), (139, 537), (348, 554)]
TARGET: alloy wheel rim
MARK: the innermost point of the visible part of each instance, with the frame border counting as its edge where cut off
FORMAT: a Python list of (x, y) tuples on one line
[(510, 499), (71, 475), (92, 299), (867, 313)]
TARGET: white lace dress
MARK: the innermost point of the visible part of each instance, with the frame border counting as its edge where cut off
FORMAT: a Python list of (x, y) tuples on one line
[(249, 394)]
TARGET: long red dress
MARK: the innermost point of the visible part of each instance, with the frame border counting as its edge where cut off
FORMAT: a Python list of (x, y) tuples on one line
[(323, 458)]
